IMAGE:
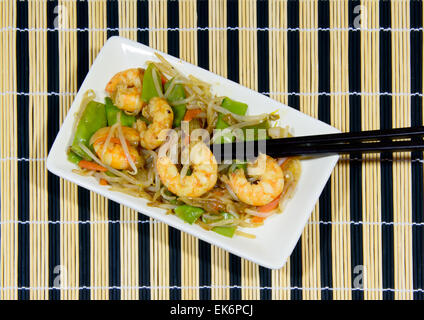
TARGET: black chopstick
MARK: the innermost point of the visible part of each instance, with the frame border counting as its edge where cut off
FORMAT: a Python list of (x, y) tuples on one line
[(357, 136), (385, 146), (391, 140)]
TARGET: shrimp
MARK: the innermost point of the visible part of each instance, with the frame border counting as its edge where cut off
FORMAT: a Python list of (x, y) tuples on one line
[(263, 191), (162, 117), (113, 154), (204, 173), (125, 89)]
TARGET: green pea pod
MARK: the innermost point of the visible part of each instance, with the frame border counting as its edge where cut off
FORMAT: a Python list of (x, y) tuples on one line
[(73, 157), (222, 230), (264, 125), (92, 119), (149, 88), (229, 137), (220, 122), (177, 93), (236, 107), (188, 213), (226, 137), (112, 114), (225, 231)]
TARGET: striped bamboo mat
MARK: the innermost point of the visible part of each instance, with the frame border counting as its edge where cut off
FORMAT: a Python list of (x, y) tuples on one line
[(354, 64)]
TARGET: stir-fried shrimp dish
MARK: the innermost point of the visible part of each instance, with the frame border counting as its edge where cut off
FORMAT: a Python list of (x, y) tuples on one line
[(153, 136)]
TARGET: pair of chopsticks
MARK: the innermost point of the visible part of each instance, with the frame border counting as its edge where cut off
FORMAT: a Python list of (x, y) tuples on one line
[(389, 140)]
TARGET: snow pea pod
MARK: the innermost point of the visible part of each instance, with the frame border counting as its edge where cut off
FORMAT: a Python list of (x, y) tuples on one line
[(221, 124), (92, 119), (223, 230), (112, 112), (73, 157), (233, 106), (188, 213), (177, 93), (264, 125), (149, 88)]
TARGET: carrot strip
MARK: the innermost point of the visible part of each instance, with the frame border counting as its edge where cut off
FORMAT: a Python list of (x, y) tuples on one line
[(90, 165), (163, 79), (103, 182), (191, 113), (269, 206), (256, 219)]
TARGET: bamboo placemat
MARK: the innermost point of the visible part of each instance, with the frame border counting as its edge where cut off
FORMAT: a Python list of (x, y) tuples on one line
[(356, 65)]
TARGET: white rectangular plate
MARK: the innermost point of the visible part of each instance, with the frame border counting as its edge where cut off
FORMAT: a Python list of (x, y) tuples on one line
[(277, 238)]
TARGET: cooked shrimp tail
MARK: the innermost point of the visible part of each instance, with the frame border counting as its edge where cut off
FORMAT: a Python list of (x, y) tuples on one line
[(265, 188), (125, 89), (110, 150), (202, 179), (162, 117)]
